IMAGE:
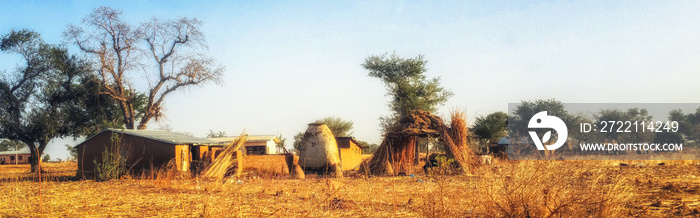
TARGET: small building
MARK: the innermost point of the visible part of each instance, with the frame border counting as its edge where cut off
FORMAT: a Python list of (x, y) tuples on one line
[(15, 157), (255, 144), (144, 149), (350, 152)]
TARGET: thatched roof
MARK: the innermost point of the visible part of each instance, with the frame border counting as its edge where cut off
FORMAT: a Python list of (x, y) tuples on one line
[(413, 132)]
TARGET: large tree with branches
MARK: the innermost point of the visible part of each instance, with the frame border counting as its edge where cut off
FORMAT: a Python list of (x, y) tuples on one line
[(168, 52), (47, 96)]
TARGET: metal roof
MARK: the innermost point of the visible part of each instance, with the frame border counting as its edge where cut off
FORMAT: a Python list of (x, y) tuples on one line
[(24, 150), (159, 135), (504, 141), (251, 138)]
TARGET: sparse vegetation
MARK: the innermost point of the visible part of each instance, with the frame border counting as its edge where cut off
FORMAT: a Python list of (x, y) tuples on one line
[(113, 164), (506, 188)]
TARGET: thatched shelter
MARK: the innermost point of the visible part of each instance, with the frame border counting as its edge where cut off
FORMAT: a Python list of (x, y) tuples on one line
[(398, 149)]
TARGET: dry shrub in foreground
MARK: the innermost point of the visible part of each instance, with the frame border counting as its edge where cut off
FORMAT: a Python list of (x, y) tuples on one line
[(552, 188)]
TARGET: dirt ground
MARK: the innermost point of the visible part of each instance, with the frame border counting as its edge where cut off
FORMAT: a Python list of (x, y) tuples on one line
[(505, 188)]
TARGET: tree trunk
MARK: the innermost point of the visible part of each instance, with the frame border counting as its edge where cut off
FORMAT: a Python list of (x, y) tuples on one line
[(35, 155), (128, 114), (142, 125)]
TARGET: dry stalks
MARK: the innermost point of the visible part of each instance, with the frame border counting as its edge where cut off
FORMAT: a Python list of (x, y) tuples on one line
[(505, 188), (551, 188), (226, 160)]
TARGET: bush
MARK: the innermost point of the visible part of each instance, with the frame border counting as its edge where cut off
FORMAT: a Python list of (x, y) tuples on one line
[(113, 164), (546, 189)]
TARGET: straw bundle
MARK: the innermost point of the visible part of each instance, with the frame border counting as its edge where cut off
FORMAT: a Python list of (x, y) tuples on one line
[(390, 152), (458, 128), (463, 156), (225, 161)]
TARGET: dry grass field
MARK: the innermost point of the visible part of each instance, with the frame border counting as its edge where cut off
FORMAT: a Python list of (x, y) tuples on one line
[(505, 188)]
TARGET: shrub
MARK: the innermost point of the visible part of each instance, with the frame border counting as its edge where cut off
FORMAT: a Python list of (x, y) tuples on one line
[(113, 164)]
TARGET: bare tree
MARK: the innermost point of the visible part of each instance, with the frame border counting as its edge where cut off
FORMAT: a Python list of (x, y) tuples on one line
[(169, 53), (173, 45), (111, 42)]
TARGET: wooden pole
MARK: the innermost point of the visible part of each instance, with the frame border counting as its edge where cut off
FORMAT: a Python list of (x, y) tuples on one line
[(239, 156), (416, 159)]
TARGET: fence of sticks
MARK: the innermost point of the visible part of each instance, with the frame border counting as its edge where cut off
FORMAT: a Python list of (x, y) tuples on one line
[(398, 149)]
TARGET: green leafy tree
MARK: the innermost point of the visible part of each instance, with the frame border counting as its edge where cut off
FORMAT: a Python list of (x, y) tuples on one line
[(46, 158), (218, 134), (668, 137), (372, 147), (297, 141), (173, 60), (527, 109), (406, 84), (339, 127), (42, 99), (491, 127), (11, 145), (688, 124), (72, 152), (518, 123), (633, 115)]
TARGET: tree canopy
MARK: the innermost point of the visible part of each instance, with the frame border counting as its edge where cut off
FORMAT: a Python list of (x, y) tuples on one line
[(11, 145), (406, 84), (688, 124), (169, 52), (491, 127), (632, 115), (44, 97)]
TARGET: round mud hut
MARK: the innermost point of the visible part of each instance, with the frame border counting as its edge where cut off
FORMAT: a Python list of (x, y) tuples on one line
[(319, 150)]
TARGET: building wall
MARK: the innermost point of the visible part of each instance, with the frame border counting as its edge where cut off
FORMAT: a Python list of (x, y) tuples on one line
[(11, 159), (271, 147), (350, 154), (271, 165), (141, 153)]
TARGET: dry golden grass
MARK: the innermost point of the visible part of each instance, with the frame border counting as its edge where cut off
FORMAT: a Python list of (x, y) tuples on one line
[(506, 188)]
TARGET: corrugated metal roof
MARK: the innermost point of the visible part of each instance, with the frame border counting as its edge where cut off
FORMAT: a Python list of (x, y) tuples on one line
[(504, 141), (251, 138), (24, 150), (160, 135)]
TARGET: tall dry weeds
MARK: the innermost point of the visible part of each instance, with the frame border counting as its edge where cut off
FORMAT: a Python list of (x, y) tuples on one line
[(554, 189), (458, 128)]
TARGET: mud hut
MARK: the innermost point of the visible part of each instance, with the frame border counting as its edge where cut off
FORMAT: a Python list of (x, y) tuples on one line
[(319, 149)]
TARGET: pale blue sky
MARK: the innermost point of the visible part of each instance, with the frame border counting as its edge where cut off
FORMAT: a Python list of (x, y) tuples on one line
[(291, 63)]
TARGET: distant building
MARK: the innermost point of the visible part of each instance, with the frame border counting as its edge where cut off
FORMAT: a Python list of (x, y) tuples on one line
[(350, 152), (15, 157), (254, 144), (144, 149), (496, 147)]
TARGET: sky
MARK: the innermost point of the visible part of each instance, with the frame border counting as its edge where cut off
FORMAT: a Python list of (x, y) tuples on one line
[(291, 63)]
